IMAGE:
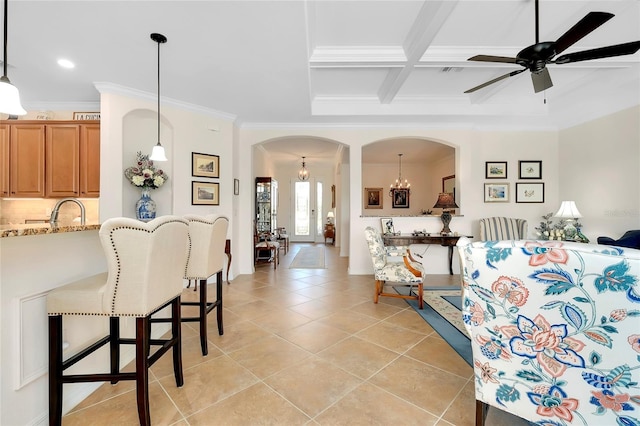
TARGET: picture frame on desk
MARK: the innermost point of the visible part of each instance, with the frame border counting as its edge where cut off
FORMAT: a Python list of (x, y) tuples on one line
[(386, 223)]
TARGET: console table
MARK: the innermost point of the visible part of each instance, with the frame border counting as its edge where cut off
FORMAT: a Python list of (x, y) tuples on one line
[(448, 241)]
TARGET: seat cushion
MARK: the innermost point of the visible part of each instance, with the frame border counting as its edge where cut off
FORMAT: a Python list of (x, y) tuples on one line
[(267, 245), (82, 297), (397, 272)]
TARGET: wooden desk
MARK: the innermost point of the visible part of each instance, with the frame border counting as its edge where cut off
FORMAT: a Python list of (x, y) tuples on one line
[(408, 239)]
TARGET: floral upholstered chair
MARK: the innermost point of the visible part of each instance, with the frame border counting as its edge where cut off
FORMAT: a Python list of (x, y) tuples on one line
[(405, 272), (555, 330)]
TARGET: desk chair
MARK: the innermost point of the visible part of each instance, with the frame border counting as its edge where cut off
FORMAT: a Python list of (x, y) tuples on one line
[(146, 264), (406, 273), (264, 243), (207, 257)]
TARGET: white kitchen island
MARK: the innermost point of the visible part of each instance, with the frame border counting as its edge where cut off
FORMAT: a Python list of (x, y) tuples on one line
[(35, 259)]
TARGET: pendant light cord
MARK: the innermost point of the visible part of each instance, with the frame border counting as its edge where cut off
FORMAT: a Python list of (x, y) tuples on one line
[(158, 91), (4, 61)]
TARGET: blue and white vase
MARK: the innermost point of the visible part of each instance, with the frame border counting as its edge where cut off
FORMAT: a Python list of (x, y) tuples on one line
[(145, 207)]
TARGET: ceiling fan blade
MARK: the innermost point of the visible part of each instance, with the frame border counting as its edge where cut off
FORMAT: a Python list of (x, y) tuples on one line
[(587, 24), (601, 52), (495, 80), (541, 80), (489, 58)]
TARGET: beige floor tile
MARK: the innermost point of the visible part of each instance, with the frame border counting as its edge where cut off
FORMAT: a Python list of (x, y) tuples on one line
[(283, 319), (314, 309), (410, 320), (123, 410), (379, 310), (253, 309), (237, 335), (208, 383), (435, 351), (391, 336), (314, 336), (370, 405), (358, 357), (313, 385), (268, 356), (191, 356), (415, 382), (348, 321), (256, 405)]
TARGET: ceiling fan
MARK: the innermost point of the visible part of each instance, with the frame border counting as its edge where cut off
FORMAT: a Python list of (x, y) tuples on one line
[(536, 57)]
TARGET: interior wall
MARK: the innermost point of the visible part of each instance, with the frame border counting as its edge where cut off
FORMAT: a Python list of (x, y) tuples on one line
[(599, 169)]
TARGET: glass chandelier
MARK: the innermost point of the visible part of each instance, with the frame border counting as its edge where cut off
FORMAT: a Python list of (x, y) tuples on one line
[(399, 184), (303, 174)]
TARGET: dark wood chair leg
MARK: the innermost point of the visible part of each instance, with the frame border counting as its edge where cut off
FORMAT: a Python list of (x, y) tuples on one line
[(114, 346), (142, 372), (203, 317), (55, 370), (219, 302), (481, 412), (176, 332)]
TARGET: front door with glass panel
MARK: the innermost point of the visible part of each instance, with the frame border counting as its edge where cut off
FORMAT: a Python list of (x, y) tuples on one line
[(307, 201)]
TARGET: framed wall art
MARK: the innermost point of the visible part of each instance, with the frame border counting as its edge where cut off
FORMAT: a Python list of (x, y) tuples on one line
[(387, 225), (400, 198), (495, 169), (496, 192), (205, 193), (205, 165), (372, 198), (530, 169), (530, 192)]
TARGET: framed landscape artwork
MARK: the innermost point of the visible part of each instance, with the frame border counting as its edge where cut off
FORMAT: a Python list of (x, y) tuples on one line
[(372, 198), (495, 170), (400, 198), (205, 193), (496, 192), (530, 192), (205, 165)]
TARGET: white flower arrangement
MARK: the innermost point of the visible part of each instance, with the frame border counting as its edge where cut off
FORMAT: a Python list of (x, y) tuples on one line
[(144, 174)]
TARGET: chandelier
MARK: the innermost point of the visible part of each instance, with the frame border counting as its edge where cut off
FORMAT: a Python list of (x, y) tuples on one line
[(303, 174), (399, 184)]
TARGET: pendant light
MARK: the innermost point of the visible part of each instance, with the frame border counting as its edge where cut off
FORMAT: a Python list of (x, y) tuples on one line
[(158, 151), (303, 174), (399, 184), (9, 95)]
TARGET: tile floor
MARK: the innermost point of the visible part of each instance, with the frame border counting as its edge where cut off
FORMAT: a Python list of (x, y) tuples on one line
[(304, 347)]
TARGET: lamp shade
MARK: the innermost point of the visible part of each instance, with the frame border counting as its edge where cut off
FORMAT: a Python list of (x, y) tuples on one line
[(330, 214), (10, 98), (445, 201), (158, 153), (568, 210)]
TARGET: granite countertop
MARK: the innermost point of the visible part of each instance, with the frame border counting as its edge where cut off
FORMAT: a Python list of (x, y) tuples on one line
[(44, 228)]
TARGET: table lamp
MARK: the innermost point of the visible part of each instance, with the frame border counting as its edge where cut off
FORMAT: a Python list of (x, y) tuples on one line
[(330, 217), (445, 201), (568, 211)]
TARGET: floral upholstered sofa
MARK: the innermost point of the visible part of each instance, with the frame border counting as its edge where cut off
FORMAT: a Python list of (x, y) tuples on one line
[(555, 330)]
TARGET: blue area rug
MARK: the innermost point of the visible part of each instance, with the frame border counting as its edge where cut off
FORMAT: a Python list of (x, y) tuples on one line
[(443, 311)]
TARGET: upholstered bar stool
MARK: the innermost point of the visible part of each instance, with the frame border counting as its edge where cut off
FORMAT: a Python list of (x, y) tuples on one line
[(207, 257), (146, 264)]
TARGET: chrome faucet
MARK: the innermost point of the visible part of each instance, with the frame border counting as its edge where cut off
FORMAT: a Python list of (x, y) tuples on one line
[(56, 209)]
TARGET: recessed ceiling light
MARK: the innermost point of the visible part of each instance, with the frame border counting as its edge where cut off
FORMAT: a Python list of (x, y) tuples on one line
[(65, 63)]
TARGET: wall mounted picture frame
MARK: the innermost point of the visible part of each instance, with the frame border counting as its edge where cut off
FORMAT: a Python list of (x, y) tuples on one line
[(372, 198), (236, 187), (386, 224), (333, 196), (205, 193), (495, 169), (530, 169), (205, 165), (496, 192), (530, 192), (400, 198)]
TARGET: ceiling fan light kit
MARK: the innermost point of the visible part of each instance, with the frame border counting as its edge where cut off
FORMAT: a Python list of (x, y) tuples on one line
[(536, 57)]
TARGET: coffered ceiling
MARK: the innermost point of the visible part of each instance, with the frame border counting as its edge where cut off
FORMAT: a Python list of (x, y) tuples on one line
[(324, 62)]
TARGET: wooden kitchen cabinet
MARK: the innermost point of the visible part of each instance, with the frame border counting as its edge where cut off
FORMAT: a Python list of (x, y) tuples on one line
[(90, 160), (53, 159), (26, 160), (62, 162), (4, 160)]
